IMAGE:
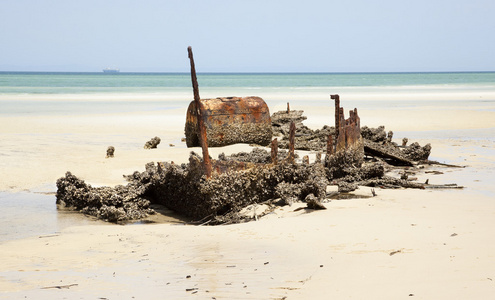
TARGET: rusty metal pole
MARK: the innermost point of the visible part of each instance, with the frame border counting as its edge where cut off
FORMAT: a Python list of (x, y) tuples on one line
[(274, 153), (292, 140), (358, 121), (318, 158), (337, 114), (330, 145), (288, 108), (201, 126)]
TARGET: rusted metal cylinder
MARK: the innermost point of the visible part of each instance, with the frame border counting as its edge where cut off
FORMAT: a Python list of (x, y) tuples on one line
[(230, 120)]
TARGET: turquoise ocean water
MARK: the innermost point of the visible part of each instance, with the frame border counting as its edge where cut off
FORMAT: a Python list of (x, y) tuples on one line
[(78, 83), (41, 92)]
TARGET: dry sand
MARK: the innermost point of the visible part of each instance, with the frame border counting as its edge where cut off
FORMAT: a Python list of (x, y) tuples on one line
[(414, 244)]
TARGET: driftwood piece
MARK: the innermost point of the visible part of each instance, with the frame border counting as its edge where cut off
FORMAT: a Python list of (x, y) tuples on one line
[(395, 183), (443, 186), (432, 162), (60, 286)]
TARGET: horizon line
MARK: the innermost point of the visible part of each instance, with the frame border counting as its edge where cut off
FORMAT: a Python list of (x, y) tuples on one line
[(249, 73)]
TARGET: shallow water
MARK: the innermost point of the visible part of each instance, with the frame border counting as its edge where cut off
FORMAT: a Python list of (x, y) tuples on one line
[(28, 214)]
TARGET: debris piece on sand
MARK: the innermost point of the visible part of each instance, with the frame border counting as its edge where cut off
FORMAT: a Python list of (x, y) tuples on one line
[(153, 143), (118, 204), (110, 151), (313, 202), (376, 143)]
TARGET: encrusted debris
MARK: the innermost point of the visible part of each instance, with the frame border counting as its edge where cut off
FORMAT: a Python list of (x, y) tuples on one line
[(185, 189), (376, 142), (110, 151), (118, 204), (305, 138), (153, 143)]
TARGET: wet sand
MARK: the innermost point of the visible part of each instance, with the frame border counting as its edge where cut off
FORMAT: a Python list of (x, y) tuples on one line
[(414, 244)]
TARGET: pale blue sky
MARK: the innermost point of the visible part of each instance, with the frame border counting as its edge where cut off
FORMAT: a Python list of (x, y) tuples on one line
[(248, 36)]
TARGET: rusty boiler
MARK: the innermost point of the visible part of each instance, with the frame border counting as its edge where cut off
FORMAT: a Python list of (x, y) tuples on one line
[(230, 120)]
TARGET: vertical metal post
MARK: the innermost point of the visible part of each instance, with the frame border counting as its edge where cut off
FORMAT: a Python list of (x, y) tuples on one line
[(292, 141), (337, 114), (340, 139), (330, 145), (201, 126), (274, 152), (358, 121), (318, 158)]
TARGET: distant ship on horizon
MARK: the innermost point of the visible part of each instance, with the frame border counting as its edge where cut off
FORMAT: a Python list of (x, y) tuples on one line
[(111, 70)]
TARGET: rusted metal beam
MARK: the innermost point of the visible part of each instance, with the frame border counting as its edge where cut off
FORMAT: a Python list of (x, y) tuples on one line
[(340, 140), (337, 114), (274, 153), (358, 121), (330, 145), (292, 139), (201, 126)]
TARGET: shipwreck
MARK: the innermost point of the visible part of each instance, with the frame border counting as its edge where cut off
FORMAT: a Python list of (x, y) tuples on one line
[(214, 191)]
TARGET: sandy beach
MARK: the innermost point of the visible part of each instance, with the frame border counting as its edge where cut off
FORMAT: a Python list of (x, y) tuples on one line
[(414, 244)]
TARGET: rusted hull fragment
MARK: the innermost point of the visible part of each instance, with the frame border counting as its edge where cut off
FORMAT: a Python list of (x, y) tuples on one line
[(230, 120), (348, 134), (349, 148)]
